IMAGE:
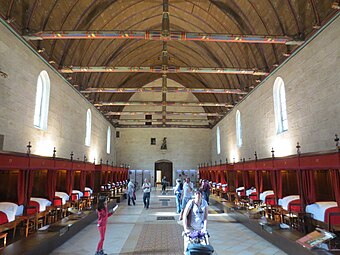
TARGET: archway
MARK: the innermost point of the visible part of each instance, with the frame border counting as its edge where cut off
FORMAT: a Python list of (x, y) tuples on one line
[(163, 167)]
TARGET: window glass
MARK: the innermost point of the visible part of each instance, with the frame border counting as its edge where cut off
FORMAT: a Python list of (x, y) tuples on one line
[(280, 108), (238, 129), (218, 140), (108, 141), (88, 128), (42, 100)]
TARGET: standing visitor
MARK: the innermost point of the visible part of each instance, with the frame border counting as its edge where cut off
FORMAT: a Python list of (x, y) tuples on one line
[(146, 193), (103, 214), (131, 192), (195, 217), (188, 188), (178, 193), (164, 183), (206, 190)]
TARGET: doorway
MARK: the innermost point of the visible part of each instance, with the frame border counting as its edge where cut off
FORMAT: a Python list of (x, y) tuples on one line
[(163, 168)]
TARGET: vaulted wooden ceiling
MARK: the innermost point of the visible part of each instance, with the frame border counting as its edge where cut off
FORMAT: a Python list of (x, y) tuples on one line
[(219, 50)]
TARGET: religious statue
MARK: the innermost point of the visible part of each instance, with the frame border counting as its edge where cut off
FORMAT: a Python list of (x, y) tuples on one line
[(164, 146)]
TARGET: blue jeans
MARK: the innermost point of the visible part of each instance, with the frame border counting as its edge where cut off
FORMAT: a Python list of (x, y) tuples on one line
[(185, 200), (178, 202), (146, 199)]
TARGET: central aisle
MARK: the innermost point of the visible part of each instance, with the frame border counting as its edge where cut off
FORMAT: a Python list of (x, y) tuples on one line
[(135, 230)]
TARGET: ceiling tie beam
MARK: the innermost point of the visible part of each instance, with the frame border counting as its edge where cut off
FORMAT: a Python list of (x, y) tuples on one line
[(160, 120), (131, 113), (159, 103), (159, 89), (161, 36), (161, 69), (163, 126)]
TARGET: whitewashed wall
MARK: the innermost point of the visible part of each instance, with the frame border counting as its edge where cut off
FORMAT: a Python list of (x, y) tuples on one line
[(185, 147), (312, 83), (67, 108)]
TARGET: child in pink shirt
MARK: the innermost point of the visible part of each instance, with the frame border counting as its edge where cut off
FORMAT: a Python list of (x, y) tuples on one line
[(103, 214)]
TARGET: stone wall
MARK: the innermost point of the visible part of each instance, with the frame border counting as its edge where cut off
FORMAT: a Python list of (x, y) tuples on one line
[(67, 108), (312, 86)]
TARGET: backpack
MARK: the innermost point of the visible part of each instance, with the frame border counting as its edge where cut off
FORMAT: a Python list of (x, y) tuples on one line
[(181, 186)]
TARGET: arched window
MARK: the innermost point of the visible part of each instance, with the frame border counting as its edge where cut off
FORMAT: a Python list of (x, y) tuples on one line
[(42, 100), (238, 129), (218, 140), (108, 141), (280, 109), (88, 128)]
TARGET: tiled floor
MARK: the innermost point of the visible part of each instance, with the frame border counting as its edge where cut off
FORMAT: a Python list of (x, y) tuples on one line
[(135, 230)]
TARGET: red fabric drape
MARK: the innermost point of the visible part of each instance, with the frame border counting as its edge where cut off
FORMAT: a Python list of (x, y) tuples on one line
[(335, 179), (30, 178), (82, 181), (69, 182), (276, 181), (223, 180), (308, 187), (92, 180), (51, 184), (236, 180), (258, 182), (245, 178), (21, 189)]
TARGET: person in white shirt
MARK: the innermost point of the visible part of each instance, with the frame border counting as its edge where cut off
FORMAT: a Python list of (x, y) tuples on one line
[(178, 193), (195, 217), (131, 191), (146, 193), (188, 188)]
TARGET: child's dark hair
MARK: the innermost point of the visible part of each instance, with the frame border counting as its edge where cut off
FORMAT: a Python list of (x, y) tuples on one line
[(101, 203)]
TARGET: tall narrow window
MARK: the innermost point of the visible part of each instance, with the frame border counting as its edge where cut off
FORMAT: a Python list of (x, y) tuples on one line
[(42, 100), (238, 129), (280, 109), (88, 128), (108, 141), (218, 140)]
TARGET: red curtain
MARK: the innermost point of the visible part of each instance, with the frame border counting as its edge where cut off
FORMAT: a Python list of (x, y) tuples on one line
[(258, 182), (21, 187), (51, 184), (30, 178), (69, 182), (335, 179), (92, 179), (223, 180), (82, 181), (308, 187), (245, 178), (276, 181)]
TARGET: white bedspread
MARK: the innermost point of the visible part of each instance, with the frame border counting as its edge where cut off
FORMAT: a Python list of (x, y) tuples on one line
[(80, 194), (64, 197), (238, 190), (318, 209), (43, 202), (89, 189), (10, 209), (264, 194), (249, 191), (286, 200)]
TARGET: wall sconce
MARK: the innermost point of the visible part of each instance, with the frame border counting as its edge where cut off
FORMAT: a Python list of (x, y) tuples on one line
[(85, 158), (272, 151), (71, 155), (41, 50)]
